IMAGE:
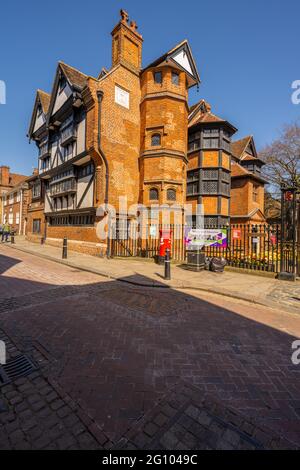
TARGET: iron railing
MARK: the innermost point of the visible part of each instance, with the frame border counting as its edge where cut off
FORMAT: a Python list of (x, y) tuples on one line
[(249, 246)]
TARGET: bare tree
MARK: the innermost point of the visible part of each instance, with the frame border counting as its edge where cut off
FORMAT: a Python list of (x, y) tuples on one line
[(282, 158)]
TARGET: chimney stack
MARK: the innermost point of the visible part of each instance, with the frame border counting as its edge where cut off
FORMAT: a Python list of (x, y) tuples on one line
[(127, 44), (4, 175)]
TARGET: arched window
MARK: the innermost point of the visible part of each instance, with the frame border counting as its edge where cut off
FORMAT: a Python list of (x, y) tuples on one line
[(155, 140), (171, 195), (153, 196)]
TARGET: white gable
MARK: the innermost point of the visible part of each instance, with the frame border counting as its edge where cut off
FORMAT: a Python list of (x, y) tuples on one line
[(39, 121), (182, 59), (61, 98)]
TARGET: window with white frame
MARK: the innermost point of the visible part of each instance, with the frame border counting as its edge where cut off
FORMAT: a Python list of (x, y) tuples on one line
[(17, 217)]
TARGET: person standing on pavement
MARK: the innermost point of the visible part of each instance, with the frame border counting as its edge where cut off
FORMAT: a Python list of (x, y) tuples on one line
[(5, 232)]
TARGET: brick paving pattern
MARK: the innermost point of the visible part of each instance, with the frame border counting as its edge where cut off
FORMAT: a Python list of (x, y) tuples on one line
[(34, 414), (115, 351), (183, 420)]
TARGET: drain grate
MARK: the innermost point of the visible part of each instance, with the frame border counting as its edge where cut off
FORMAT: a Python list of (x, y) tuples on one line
[(17, 367)]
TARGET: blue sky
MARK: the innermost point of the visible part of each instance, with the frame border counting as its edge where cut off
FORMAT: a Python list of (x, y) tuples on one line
[(247, 53)]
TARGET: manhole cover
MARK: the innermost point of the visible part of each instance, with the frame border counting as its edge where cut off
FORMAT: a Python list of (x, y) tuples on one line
[(19, 366)]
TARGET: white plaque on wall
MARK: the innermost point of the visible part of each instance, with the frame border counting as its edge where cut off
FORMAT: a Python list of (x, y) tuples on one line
[(121, 97)]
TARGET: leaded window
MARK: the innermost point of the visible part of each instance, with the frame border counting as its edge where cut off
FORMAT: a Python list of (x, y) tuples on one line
[(192, 188), (210, 174), (36, 189), (153, 194), (155, 140), (86, 170), (225, 189), (194, 141), (211, 143), (171, 195), (210, 187), (158, 77), (192, 175), (175, 78), (210, 221)]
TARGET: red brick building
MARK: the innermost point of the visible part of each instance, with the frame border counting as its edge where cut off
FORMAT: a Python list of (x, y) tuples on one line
[(247, 184), (7, 181), (35, 221), (128, 131), (15, 205), (122, 133), (209, 163)]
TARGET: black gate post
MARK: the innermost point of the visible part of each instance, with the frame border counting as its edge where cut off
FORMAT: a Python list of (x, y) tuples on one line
[(288, 236), (65, 248)]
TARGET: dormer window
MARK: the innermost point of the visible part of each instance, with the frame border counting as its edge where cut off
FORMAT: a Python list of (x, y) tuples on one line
[(175, 78), (155, 140), (158, 77)]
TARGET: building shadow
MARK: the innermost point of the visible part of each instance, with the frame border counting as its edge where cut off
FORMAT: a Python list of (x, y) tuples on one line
[(117, 348)]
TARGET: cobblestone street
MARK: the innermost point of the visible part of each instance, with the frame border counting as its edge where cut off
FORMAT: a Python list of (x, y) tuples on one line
[(111, 357)]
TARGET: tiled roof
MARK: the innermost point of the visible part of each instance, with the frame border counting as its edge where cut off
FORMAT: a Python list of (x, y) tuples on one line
[(204, 118), (256, 211), (238, 170), (239, 146), (170, 53), (76, 78), (249, 157), (201, 113), (15, 178), (44, 99)]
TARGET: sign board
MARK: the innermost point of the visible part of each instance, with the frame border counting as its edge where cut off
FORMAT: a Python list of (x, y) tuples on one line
[(121, 97), (195, 239), (236, 234), (255, 240), (153, 230)]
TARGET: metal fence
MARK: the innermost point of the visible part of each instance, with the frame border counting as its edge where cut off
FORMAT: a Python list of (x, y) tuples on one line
[(255, 247)]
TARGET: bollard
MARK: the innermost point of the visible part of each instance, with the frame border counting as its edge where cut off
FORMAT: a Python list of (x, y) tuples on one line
[(12, 238), (167, 265), (65, 248), (42, 241)]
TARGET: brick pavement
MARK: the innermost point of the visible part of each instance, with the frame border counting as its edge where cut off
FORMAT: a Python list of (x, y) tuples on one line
[(260, 289), (116, 350), (184, 419), (36, 414)]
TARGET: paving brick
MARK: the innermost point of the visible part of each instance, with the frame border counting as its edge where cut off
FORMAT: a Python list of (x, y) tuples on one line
[(116, 375)]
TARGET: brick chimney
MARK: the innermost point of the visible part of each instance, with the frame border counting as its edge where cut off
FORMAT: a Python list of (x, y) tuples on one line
[(127, 44), (4, 175)]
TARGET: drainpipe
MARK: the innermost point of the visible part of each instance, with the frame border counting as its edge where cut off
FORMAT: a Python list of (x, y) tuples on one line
[(104, 159), (21, 212)]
